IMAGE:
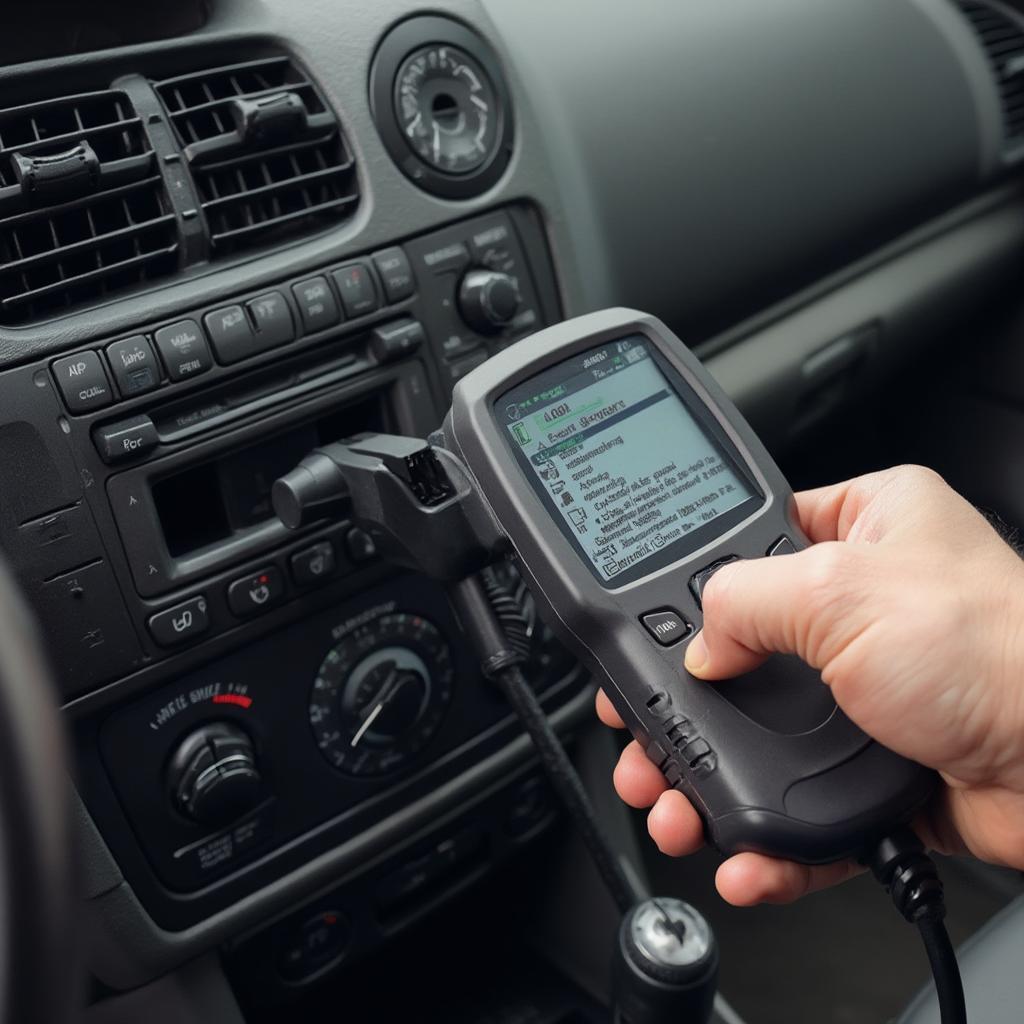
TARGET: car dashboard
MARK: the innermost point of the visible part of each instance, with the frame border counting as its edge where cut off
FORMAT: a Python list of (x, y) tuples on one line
[(232, 233)]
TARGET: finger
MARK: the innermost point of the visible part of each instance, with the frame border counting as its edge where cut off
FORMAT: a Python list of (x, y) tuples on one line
[(674, 825), (828, 513), (637, 781), (809, 604), (751, 878), (606, 711)]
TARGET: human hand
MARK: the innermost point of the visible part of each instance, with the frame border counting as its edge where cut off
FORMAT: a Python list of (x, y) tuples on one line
[(912, 608)]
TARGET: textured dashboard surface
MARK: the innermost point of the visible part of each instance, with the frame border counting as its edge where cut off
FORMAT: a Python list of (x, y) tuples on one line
[(687, 161), (723, 154)]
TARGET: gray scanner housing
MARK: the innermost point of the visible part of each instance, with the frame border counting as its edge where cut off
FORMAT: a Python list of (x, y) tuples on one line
[(769, 760)]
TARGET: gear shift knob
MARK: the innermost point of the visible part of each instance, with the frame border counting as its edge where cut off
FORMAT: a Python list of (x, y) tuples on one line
[(665, 965)]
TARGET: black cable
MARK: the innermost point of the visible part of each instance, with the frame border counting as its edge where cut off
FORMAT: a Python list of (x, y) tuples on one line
[(501, 664), (910, 877), (945, 970)]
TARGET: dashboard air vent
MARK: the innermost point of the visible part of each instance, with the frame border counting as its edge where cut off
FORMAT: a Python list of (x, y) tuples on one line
[(1002, 36), (267, 155), (83, 211)]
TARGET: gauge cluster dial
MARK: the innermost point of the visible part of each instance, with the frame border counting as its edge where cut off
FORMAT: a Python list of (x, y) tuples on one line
[(380, 694), (447, 108), (440, 103)]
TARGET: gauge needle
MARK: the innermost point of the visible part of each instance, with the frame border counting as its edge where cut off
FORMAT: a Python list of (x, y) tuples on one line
[(367, 722), (437, 143)]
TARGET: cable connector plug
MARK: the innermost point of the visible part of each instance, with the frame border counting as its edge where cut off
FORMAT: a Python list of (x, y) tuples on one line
[(911, 879), (909, 876)]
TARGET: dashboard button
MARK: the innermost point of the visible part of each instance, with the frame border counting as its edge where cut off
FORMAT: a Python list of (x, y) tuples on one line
[(183, 349), (256, 592), (134, 365), (273, 320), (394, 340), (454, 256), (355, 285), (83, 382), (783, 546), (230, 334), (317, 305), (313, 565), (318, 942), (667, 626), (180, 624), (491, 239), (395, 273), (360, 545), (126, 440), (700, 579)]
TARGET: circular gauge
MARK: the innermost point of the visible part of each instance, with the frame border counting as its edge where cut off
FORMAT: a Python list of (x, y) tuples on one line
[(440, 104), (447, 108), (380, 694)]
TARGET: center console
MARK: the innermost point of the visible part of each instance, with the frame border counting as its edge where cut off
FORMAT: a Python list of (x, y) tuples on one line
[(225, 677)]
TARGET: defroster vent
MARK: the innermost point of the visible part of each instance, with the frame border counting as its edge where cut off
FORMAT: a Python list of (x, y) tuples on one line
[(83, 211), (267, 155), (1001, 33)]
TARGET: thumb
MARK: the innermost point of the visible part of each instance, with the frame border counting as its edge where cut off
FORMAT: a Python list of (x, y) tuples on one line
[(803, 604)]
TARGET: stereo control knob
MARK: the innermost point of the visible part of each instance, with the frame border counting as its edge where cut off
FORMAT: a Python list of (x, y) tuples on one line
[(488, 300), (214, 777)]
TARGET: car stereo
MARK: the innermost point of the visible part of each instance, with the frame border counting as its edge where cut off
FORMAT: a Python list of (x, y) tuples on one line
[(216, 665)]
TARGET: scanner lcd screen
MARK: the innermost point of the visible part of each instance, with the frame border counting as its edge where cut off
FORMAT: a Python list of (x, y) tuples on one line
[(633, 477)]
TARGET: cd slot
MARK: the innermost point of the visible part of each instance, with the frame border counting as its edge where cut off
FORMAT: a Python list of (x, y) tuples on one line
[(255, 394)]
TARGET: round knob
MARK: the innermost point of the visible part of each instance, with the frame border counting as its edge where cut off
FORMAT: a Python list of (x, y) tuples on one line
[(213, 775), (488, 300), (388, 701)]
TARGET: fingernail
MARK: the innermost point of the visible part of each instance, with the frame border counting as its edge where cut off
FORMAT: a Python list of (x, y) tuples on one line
[(696, 655)]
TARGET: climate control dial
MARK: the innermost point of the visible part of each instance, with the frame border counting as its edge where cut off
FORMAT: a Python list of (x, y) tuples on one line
[(380, 694), (214, 776)]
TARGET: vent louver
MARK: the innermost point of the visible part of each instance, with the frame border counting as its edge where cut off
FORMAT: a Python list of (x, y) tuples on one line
[(1002, 36), (83, 210), (267, 155)]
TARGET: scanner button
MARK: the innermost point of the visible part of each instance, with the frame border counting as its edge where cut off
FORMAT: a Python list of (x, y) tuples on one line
[(783, 546), (667, 626), (700, 579), (679, 731), (695, 750)]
